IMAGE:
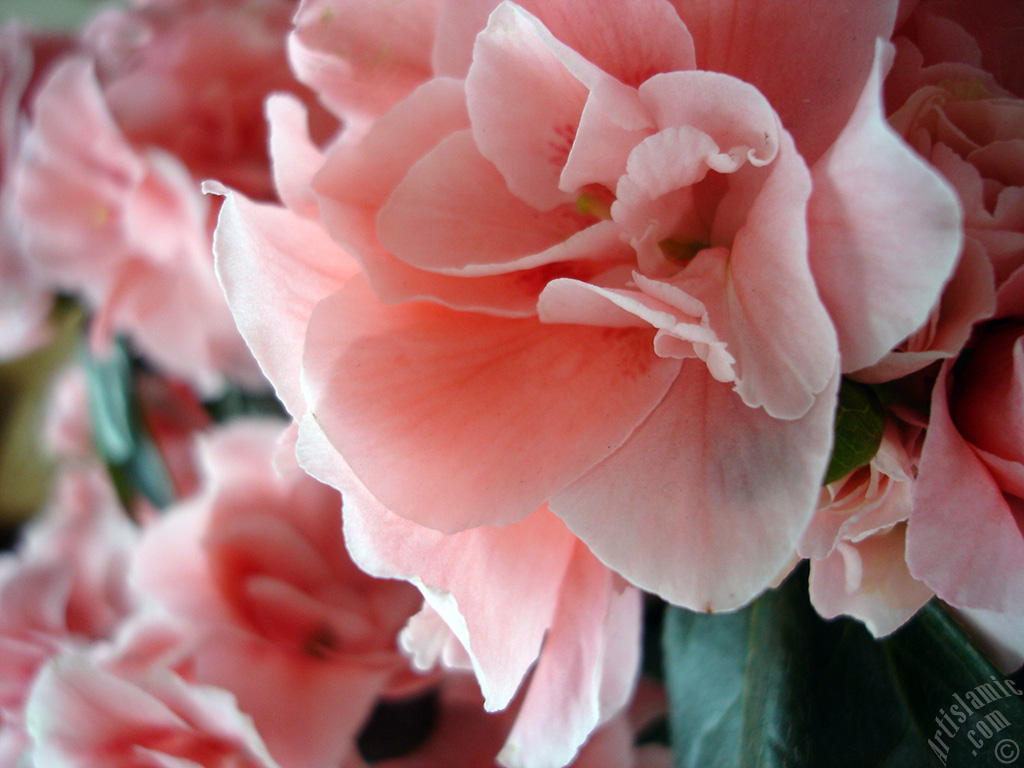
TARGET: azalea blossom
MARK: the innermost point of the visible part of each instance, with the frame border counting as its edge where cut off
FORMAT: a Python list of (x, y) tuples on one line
[(621, 307), (857, 539), (106, 180), (255, 568), (965, 538), (63, 589), (83, 715)]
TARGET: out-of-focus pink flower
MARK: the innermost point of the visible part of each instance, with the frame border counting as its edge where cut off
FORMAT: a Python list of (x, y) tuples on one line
[(966, 535), (25, 298), (84, 716), (107, 184), (65, 587), (170, 415), (280, 616), (856, 541), (965, 119)]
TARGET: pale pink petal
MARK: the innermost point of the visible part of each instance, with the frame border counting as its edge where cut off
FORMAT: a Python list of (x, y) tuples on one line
[(365, 173), (81, 715), (360, 56), (453, 212), (294, 156), (968, 298), (613, 122), (639, 39), (516, 61), (274, 266), (976, 565), (719, 494), (537, 404), (733, 113), (869, 581), (809, 59), (587, 671), (873, 198)]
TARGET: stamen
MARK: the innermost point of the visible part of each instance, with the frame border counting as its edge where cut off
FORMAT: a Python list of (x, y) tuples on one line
[(589, 205)]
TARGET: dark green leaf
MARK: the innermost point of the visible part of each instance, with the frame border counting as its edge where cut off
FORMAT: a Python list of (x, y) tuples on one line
[(967, 712), (860, 422), (775, 685), (112, 403)]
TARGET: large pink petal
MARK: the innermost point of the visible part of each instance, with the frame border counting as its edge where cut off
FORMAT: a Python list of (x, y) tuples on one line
[(587, 670), (453, 211), (639, 39), (366, 172), (884, 232), (810, 59), (733, 113), (475, 579), (968, 298), (706, 501), (274, 267), (964, 538), (520, 409)]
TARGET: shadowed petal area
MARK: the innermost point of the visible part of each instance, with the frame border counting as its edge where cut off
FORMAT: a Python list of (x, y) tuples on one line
[(885, 232), (964, 538), (535, 405), (727, 493), (868, 580)]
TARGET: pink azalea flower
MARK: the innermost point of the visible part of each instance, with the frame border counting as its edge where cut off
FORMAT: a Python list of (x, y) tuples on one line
[(279, 615), (25, 297), (965, 538), (83, 715), (963, 119), (602, 253), (856, 541), (64, 588), (107, 183)]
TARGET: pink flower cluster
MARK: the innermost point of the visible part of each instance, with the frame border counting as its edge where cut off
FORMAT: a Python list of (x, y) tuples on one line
[(559, 295)]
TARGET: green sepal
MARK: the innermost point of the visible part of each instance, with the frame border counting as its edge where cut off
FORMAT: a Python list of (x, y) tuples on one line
[(859, 426)]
